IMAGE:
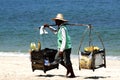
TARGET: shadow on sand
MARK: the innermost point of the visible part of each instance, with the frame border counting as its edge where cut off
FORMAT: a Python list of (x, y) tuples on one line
[(91, 77), (96, 77), (49, 75)]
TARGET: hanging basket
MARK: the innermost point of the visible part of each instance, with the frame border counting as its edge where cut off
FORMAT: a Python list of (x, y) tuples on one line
[(91, 57), (39, 58)]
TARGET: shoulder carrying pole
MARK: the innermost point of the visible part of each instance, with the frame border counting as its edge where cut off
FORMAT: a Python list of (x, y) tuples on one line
[(72, 24)]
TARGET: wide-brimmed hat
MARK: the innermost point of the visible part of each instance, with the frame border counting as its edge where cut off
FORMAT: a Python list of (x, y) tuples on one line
[(60, 17)]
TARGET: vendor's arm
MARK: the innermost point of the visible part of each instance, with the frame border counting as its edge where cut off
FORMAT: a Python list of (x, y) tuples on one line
[(62, 48), (51, 28)]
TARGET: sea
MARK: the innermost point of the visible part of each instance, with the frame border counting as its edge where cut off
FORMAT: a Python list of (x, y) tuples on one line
[(20, 21)]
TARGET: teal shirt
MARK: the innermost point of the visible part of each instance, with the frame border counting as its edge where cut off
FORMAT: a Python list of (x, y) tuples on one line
[(59, 36)]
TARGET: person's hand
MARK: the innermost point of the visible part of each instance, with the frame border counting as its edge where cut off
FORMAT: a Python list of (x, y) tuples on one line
[(60, 53), (46, 25)]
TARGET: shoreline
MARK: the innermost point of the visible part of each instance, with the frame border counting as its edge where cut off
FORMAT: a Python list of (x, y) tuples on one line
[(19, 68), (20, 54)]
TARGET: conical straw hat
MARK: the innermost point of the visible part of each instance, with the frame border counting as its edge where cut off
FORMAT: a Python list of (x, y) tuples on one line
[(60, 17)]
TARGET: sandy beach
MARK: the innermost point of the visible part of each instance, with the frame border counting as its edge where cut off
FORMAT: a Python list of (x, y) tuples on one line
[(19, 68)]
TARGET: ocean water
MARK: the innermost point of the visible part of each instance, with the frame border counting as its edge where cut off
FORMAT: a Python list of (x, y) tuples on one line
[(20, 19)]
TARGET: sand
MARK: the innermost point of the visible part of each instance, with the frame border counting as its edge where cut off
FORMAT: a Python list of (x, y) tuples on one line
[(19, 68)]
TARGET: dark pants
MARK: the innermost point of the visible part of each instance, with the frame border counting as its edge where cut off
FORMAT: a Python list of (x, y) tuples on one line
[(65, 61), (65, 57)]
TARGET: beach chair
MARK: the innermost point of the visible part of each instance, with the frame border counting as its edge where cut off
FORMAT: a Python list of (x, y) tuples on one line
[(40, 59), (91, 57)]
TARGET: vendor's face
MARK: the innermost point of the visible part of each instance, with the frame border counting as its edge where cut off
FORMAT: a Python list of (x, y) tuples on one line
[(58, 22)]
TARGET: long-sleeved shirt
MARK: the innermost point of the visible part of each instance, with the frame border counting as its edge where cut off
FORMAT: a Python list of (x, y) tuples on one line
[(63, 44)]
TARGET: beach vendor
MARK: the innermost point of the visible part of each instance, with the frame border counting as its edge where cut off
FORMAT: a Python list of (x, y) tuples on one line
[(64, 44)]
